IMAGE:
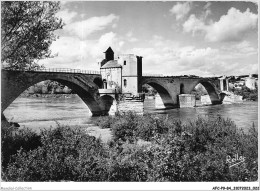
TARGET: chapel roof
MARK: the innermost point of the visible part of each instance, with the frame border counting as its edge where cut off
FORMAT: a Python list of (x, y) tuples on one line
[(109, 50), (111, 64)]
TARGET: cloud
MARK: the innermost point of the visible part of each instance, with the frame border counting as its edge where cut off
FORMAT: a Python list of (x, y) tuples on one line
[(130, 37), (106, 40), (194, 25), (197, 61), (66, 16), (240, 50), (160, 55), (84, 28), (230, 27), (178, 61), (70, 52), (77, 53), (129, 34), (207, 10), (168, 57), (64, 2), (180, 10), (245, 48), (208, 4)]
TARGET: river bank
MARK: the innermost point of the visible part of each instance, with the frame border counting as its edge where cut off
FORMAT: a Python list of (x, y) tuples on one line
[(29, 95)]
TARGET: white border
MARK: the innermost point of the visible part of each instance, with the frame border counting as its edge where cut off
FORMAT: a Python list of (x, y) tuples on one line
[(127, 185), (143, 185)]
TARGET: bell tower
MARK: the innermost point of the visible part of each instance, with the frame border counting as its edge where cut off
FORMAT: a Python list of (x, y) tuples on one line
[(109, 54)]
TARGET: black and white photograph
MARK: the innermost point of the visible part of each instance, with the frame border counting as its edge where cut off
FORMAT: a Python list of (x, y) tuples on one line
[(129, 95)]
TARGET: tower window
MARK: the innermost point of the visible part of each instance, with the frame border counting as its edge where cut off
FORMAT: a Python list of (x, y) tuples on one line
[(125, 82), (105, 84), (124, 62)]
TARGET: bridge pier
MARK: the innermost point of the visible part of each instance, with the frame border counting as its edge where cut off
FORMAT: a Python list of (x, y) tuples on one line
[(99, 113)]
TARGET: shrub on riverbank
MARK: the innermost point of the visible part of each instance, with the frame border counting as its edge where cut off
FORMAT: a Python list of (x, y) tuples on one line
[(196, 151), (12, 139), (143, 148), (66, 154), (131, 126), (247, 94), (104, 122)]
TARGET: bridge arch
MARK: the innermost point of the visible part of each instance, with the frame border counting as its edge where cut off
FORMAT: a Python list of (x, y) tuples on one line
[(211, 89), (107, 100), (163, 91), (16, 82)]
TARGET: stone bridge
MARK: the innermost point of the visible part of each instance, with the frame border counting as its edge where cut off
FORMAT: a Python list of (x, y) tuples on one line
[(170, 87), (85, 85)]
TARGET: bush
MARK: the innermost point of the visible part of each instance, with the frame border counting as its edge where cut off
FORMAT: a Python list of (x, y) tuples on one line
[(123, 129), (198, 152), (130, 126), (105, 122), (150, 125), (124, 126), (247, 93), (173, 151), (44, 89), (65, 154), (130, 164), (12, 139)]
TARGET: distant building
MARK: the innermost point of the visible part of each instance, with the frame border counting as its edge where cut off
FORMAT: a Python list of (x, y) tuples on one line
[(122, 74), (239, 84), (250, 82)]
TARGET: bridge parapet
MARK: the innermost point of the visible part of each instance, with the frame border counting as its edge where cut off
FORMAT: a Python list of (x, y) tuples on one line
[(60, 70), (152, 75), (180, 77)]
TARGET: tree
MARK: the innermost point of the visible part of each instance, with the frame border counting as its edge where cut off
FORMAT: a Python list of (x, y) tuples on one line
[(27, 31), (149, 89)]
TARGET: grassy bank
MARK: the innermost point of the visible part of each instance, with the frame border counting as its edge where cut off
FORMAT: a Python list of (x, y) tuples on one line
[(143, 148)]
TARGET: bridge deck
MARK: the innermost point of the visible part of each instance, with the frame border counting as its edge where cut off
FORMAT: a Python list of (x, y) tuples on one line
[(58, 70), (183, 77)]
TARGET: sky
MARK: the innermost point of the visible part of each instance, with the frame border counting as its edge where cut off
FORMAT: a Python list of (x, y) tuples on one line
[(175, 38)]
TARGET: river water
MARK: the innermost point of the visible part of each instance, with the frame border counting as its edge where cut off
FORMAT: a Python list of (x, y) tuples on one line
[(39, 113)]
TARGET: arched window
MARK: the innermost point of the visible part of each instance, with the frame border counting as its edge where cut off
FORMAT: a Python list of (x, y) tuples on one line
[(124, 62), (125, 82), (105, 83)]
